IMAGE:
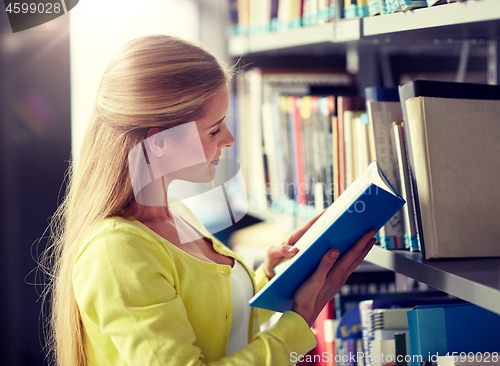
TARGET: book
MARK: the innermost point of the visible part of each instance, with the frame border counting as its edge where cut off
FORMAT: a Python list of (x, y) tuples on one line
[(330, 329), (381, 116), (412, 4), (381, 94), (456, 170), (366, 205), (376, 7), (325, 328), (435, 2), (400, 342), (350, 144), (344, 103), (383, 352), (382, 334), (328, 121), (439, 89), (367, 307), (364, 148), (390, 318), (295, 128), (350, 324), (411, 239), (463, 359), (439, 329)]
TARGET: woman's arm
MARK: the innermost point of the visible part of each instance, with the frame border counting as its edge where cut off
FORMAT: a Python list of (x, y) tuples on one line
[(125, 288)]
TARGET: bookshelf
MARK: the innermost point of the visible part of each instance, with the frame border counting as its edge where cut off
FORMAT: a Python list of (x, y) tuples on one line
[(474, 280)]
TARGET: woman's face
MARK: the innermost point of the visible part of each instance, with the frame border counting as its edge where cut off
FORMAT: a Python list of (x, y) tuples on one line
[(212, 129), (189, 151)]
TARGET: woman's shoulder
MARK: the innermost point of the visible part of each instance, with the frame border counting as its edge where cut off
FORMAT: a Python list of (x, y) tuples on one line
[(119, 235)]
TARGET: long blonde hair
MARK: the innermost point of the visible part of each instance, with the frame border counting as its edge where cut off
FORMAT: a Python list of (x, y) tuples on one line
[(155, 81)]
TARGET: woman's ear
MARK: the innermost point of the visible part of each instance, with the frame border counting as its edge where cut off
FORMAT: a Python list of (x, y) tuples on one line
[(155, 141)]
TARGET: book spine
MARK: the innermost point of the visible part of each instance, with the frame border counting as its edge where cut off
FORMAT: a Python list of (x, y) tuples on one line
[(410, 237), (417, 126), (343, 104), (350, 351)]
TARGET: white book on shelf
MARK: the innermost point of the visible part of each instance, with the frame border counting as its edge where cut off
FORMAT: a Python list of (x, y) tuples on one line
[(349, 144)]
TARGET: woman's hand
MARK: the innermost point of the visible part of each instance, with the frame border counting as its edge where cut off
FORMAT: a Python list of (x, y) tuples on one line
[(312, 296), (276, 253)]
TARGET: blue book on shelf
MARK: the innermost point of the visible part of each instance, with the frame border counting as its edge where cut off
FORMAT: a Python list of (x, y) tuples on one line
[(439, 329), (367, 204), (350, 325), (381, 94)]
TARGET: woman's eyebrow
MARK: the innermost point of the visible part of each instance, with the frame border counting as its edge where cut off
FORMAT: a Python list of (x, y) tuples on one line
[(218, 122)]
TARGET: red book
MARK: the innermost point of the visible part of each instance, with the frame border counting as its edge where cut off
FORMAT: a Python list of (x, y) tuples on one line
[(325, 347)]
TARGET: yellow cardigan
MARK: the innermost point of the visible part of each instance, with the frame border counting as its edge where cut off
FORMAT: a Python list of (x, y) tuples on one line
[(143, 301)]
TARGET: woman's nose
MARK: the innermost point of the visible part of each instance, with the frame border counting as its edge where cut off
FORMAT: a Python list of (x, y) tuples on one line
[(228, 139)]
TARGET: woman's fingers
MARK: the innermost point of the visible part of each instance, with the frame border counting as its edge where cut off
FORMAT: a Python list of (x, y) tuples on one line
[(326, 264), (362, 256), (288, 251), (355, 251)]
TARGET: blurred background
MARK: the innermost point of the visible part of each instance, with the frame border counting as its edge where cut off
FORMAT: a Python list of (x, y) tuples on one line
[(49, 77)]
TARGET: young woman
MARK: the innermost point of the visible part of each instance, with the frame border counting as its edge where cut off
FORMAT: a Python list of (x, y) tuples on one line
[(128, 289)]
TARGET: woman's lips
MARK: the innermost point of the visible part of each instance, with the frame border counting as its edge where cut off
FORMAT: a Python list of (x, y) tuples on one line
[(215, 162)]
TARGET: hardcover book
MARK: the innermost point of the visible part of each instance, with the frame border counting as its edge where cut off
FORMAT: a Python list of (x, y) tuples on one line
[(367, 204), (439, 330), (438, 89), (455, 152)]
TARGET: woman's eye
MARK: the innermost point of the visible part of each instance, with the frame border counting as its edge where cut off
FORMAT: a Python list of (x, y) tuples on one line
[(215, 132)]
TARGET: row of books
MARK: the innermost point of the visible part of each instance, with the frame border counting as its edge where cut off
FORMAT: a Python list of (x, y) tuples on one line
[(377, 7), (299, 151), (260, 16), (407, 332), (314, 146)]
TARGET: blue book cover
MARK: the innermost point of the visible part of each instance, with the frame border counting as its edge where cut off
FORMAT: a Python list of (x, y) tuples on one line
[(381, 94), (439, 329), (367, 204)]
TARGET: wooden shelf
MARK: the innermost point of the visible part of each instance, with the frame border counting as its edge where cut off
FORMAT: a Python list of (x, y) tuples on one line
[(474, 280)]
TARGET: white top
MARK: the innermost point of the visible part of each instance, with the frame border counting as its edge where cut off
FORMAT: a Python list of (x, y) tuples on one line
[(242, 292)]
